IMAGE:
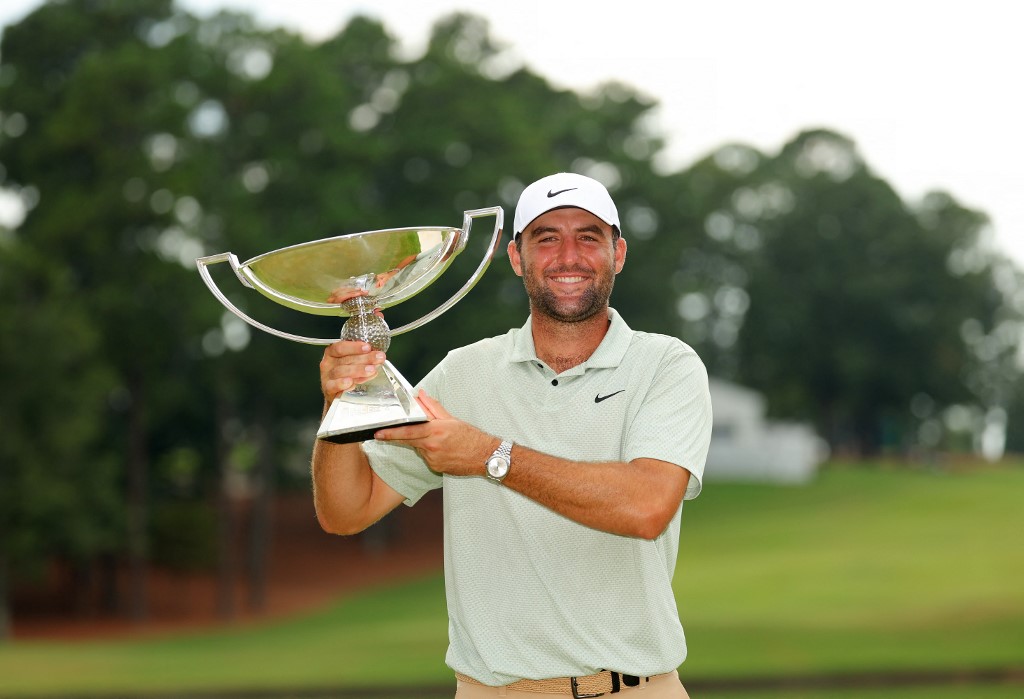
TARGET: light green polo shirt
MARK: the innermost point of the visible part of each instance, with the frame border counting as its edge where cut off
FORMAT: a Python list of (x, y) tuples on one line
[(532, 594)]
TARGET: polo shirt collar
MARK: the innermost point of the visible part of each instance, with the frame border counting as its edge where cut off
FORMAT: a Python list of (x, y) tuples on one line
[(608, 354)]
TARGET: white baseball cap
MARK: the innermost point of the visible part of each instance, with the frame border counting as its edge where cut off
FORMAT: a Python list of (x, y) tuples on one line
[(561, 190)]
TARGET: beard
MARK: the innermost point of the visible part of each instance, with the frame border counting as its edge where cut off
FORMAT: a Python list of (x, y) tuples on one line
[(573, 310)]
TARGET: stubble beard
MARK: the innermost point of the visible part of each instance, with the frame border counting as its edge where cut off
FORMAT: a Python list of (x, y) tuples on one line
[(584, 307)]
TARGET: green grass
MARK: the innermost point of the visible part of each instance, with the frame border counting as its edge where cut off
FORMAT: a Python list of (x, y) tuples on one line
[(865, 570), (356, 642)]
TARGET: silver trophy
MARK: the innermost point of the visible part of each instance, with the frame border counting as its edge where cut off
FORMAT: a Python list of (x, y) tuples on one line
[(352, 276)]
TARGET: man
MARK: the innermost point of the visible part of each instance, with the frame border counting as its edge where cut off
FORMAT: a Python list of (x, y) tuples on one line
[(564, 449)]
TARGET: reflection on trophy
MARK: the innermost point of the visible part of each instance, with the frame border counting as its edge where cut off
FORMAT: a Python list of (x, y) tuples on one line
[(355, 275)]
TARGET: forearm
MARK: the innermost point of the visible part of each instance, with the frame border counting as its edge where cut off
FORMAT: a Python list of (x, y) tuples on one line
[(342, 486), (638, 498)]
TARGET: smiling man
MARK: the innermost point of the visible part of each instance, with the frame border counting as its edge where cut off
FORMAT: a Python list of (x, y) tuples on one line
[(565, 449)]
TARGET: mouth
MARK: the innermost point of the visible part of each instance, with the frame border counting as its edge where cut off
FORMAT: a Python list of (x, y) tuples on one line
[(567, 279), (570, 277)]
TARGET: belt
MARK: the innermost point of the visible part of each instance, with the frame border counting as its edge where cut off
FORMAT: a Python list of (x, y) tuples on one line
[(604, 682)]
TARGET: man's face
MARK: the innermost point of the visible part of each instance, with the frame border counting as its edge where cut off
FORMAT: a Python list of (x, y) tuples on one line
[(568, 263)]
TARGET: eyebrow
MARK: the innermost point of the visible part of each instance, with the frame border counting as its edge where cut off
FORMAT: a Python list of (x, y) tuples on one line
[(590, 228)]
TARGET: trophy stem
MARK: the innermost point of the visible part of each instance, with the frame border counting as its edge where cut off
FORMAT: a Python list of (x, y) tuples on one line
[(365, 325), (386, 400)]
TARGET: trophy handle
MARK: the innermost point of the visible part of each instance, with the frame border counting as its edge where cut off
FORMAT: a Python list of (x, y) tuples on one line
[(467, 223), (203, 262)]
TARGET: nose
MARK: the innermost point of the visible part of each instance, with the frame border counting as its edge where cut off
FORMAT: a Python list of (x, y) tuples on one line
[(568, 251)]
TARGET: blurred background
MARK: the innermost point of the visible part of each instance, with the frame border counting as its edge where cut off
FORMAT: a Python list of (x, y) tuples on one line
[(824, 203)]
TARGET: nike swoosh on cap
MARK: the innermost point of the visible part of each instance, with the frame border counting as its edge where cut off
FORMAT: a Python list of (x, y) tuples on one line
[(561, 191)]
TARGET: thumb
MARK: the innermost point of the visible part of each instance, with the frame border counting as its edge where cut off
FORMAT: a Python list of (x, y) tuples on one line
[(434, 410)]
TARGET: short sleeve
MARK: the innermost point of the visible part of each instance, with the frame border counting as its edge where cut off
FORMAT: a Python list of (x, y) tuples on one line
[(674, 420), (401, 467)]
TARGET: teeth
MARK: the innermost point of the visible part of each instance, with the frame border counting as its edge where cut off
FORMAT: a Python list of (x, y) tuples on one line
[(569, 280)]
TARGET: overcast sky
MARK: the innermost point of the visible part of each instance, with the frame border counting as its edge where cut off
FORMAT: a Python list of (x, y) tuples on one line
[(929, 90)]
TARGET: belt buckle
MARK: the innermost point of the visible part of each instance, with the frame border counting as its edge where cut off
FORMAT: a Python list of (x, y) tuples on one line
[(576, 691)]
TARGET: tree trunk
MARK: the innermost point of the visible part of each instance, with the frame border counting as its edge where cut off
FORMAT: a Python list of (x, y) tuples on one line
[(108, 584), (138, 466), (82, 580), (225, 514), (5, 602), (5, 583), (261, 515)]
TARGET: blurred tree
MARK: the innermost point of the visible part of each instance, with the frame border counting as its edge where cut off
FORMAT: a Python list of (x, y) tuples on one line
[(849, 302), (1014, 429), (58, 487), (95, 83)]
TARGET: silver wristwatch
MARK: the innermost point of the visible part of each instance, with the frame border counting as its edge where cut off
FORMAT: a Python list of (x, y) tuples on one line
[(499, 462)]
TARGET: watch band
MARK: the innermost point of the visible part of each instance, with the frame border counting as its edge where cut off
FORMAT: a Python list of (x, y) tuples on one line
[(502, 454), (504, 449)]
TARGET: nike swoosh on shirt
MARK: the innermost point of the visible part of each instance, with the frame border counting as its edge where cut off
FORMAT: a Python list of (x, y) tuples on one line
[(598, 398), (561, 191)]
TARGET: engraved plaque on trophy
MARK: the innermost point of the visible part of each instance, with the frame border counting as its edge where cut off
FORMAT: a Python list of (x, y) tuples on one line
[(353, 276)]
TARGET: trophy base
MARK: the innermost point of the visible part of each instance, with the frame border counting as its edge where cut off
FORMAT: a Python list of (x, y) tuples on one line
[(386, 400), (362, 435)]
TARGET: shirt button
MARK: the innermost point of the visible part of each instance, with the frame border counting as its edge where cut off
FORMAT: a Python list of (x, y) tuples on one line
[(554, 382)]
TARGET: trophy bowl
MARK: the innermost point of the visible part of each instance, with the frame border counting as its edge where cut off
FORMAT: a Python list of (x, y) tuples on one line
[(352, 276)]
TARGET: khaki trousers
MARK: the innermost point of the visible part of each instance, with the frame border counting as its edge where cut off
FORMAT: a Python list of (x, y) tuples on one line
[(666, 687)]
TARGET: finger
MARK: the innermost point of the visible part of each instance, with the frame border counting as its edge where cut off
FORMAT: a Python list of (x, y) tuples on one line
[(340, 373), (353, 370), (405, 434), (434, 410), (347, 348), (333, 387), (339, 362), (354, 364)]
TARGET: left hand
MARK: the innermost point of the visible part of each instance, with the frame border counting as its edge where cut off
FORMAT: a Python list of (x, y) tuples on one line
[(447, 445)]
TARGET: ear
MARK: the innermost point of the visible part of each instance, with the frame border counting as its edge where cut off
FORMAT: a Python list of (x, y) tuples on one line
[(620, 254), (514, 259)]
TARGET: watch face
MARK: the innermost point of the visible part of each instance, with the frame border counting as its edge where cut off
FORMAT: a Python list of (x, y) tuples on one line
[(497, 467)]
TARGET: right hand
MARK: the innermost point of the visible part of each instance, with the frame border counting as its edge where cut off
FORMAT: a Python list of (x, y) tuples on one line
[(345, 364)]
